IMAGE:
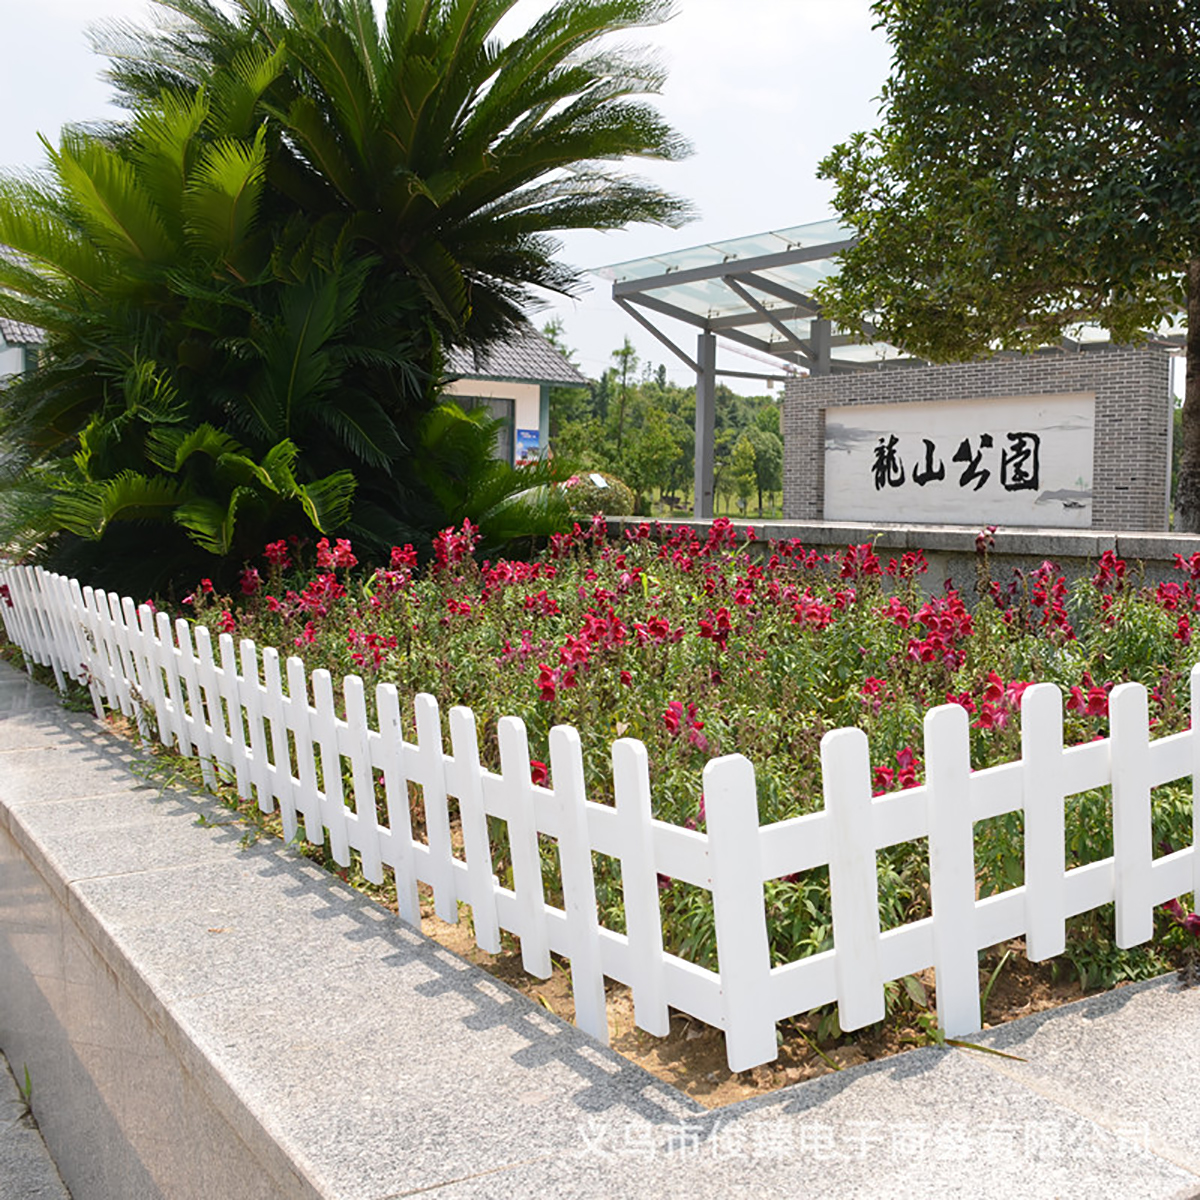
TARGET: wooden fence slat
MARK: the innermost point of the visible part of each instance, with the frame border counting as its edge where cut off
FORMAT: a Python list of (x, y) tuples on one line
[(358, 742), (952, 868), (517, 784), (283, 784), (1133, 849), (399, 815), (325, 734), (233, 694), (437, 809), (579, 883), (197, 719), (1194, 738), (639, 886), (252, 703), (464, 779), (739, 911), (220, 741), (299, 714), (1044, 786), (853, 877)]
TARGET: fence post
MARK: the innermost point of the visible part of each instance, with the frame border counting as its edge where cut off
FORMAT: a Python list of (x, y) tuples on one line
[(639, 886), (1133, 852), (743, 952), (1044, 788), (952, 868), (853, 877)]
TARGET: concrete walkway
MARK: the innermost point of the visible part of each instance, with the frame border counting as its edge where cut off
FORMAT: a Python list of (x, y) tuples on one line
[(208, 1021)]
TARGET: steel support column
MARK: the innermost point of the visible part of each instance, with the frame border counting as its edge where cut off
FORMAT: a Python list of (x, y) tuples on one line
[(822, 345), (706, 400)]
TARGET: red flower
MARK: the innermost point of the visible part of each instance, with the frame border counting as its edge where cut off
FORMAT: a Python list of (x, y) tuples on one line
[(226, 622), (250, 581), (539, 773), (276, 553), (547, 681), (403, 556)]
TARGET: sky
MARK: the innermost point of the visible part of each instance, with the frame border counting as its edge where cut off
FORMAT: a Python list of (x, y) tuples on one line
[(761, 88)]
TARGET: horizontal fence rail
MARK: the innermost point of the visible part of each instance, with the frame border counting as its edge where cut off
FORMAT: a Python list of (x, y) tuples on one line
[(274, 728)]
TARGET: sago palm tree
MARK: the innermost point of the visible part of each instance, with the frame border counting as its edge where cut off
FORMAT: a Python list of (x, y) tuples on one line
[(456, 157)]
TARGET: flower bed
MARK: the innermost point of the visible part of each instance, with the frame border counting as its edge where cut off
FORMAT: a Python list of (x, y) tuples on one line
[(699, 648)]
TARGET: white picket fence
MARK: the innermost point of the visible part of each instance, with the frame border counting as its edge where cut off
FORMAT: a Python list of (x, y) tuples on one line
[(233, 710)]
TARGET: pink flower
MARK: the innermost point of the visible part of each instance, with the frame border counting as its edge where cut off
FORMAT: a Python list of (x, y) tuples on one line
[(250, 581)]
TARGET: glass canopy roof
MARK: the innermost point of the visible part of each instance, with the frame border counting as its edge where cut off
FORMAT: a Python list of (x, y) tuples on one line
[(754, 290), (757, 291)]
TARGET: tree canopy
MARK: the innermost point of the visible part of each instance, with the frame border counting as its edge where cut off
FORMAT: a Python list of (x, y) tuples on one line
[(248, 286), (1036, 166)]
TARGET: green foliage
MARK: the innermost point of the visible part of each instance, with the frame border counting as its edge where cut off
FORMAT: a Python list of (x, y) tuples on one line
[(586, 498), (306, 204), (644, 432), (466, 482)]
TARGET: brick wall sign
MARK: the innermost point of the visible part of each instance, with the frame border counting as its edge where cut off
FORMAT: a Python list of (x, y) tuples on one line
[(1013, 460), (1126, 470)]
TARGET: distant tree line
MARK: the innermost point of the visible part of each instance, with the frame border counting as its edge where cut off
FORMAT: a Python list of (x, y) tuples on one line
[(636, 424)]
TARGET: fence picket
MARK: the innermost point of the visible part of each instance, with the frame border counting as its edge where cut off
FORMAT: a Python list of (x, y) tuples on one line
[(639, 886), (279, 774), (230, 691), (1194, 740), (517, 784), (952, 868), (579, 883), (395, 785), (299, 715), (252, 704), (739, 911), (853, 877), (432, 777), (87, 653), (1129, 720), (325, 733), (366, 824), (1044, 788), (464, 780), (197, 720)]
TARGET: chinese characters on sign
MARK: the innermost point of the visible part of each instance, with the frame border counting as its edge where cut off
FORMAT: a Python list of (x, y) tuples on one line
[(1011, 460), (1020, 464)]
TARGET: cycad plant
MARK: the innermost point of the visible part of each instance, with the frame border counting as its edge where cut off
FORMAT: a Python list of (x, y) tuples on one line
[(265, 263)]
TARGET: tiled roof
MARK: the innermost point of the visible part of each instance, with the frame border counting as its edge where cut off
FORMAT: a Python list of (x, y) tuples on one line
[(17, 333), (524, 356)]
